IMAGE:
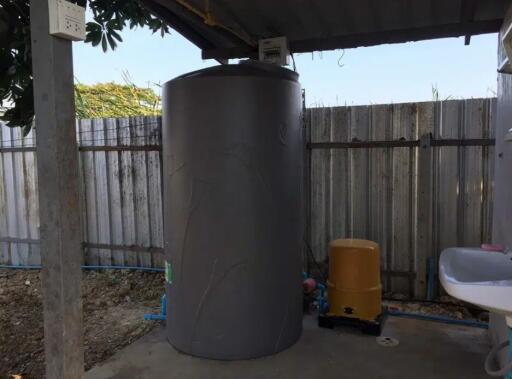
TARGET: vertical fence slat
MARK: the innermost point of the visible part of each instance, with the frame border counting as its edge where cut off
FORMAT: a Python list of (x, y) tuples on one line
[(379, 182), (359, 130), (402, 223), (321, 197), (88, 165), (127, 191), (448, 190), (114, 188), (424, 215), (140, 178), (20, 183), (473, 173), (10, 177), (424, 196), (102, 192), (339, 174)]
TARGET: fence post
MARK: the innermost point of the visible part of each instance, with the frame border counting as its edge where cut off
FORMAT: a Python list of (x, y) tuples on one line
[(424, 201)]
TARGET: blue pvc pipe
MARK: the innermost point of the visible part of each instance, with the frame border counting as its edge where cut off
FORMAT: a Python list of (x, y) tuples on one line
[(163, 306), (26, 267), (149, 317), (446, 320), (87, 267), (322, 303)]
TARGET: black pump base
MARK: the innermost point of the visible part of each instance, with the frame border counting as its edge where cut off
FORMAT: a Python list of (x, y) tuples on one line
[(373, 328)]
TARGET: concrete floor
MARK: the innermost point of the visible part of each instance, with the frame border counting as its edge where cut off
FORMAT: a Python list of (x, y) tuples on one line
[(426, 350)]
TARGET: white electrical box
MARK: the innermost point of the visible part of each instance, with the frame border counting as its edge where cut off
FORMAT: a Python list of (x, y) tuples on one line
[(274, 50), (67, 20)]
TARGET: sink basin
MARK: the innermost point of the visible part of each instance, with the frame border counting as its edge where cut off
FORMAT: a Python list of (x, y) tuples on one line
[(479, 277)]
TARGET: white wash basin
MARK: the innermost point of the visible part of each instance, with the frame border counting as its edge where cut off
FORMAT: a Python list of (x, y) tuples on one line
[(479, 277)]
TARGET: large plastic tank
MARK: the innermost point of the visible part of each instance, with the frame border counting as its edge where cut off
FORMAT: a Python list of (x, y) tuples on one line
[(232, 144)]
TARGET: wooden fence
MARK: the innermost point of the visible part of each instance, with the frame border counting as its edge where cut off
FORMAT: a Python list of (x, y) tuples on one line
[(120, 172), (368, 178), (416, 178)]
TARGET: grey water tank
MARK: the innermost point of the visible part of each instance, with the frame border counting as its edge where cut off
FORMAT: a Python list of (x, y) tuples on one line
[(233, 229)]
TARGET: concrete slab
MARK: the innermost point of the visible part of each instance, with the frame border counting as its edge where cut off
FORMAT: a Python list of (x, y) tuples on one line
[(427, 350)]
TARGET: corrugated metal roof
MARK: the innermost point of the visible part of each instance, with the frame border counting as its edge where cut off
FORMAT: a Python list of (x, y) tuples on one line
[(230, 28)]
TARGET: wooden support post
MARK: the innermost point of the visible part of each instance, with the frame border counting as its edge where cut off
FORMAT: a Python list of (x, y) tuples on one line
[(424, 237), (59, 204)]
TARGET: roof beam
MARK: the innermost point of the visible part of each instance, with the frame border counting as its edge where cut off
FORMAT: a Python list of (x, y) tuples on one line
[(397, 36), (185, 21), (367, 39), (178, 24), (223, 12)]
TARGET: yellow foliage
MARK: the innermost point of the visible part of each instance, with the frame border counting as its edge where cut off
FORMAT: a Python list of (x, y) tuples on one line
[(105, 100)]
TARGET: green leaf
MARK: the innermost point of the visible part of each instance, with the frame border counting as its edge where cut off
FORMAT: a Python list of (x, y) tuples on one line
[(92, 27), (111, 41), (96, 41), (116, 35), (104, 44)]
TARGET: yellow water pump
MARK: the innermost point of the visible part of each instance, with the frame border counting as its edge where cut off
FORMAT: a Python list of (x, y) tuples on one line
[(354, 288)]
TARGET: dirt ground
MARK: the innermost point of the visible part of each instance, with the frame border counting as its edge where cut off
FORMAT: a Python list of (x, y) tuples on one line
[(114, 303)]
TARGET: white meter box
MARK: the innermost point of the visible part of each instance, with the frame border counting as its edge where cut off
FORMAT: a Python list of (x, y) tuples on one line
[(67, 20), (274, 50)]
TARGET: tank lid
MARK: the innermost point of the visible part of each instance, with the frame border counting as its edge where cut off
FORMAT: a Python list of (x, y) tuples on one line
[(244, 68), (354, 243)]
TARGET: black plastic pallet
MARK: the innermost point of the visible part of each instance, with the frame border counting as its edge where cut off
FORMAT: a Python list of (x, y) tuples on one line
[(373, 328)]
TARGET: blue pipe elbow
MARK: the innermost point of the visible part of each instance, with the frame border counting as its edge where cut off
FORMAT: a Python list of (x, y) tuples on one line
[(163, 311)]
